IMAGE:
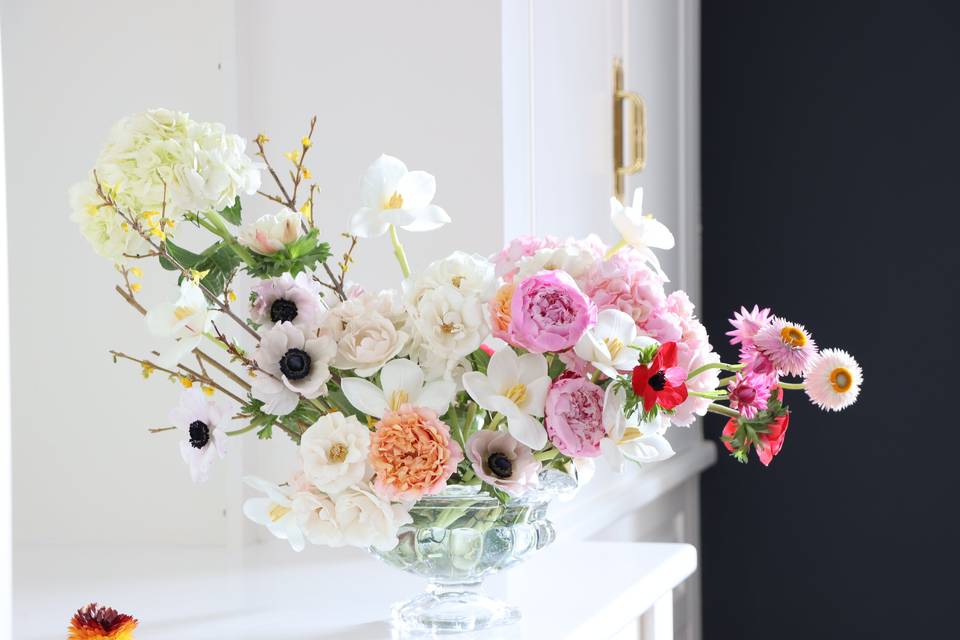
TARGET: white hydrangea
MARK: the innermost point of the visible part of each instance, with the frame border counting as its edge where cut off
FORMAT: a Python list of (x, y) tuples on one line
[(202, 168), (106, 231)]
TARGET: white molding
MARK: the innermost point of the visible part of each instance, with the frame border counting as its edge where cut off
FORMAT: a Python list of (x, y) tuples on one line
[(6, 422), (516, 64)]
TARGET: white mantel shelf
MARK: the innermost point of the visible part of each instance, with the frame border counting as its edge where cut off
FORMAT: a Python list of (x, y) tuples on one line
[(573, 590)]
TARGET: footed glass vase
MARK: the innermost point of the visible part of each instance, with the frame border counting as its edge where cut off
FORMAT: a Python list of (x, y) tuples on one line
[(459, 537)]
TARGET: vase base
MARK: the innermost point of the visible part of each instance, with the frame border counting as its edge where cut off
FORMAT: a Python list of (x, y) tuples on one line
[(453, 611)]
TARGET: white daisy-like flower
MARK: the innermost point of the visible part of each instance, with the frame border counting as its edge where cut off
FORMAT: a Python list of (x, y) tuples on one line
[(833, 380), (269, 234), (643, 233), (275, 512), (202, 420), (402, 382), (185, 321), (392, 195), (334, 452), (610, 345), (297, 366)]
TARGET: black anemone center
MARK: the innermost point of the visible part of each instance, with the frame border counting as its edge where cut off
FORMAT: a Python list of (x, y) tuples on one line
[(283, 310), (295, 364), (658, 381), (199, 434), (500, 465)]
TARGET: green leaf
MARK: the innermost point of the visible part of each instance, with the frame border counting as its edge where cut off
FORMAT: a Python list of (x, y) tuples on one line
[(480, 360), (187, 259), (166, 264), (266, 433), (232, 214)]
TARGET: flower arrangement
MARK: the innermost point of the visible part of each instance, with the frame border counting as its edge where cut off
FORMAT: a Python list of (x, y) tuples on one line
[(474, 371)]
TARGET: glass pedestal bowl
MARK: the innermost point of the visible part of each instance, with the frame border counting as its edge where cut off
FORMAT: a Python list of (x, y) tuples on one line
[(459, 537)]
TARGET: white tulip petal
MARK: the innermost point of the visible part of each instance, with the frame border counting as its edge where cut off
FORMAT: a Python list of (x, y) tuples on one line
[(401, 375), (612, 453), (397, 217), (257, 510), (614, 421), (527, 430), (649, 448), (479, 388), (427, 219), (531, 366), (657, 235), (503, 370), (417, 189), (536, 396), (637, 203), (437, 395), (367, 223), (381, 180), (365, 396)]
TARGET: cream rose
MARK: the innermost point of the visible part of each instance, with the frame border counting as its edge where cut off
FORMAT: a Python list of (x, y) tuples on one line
[(367, 343), (366, 520)]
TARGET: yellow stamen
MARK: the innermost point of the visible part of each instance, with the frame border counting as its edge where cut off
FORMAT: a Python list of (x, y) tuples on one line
[(277, 511), (614, 346), (182, 312), (841, 380), (337, 452), (398, 398), (456, 281), (517, 393), (395, 201), (793, 337), (448, 327), (630, 433), (292, 156)]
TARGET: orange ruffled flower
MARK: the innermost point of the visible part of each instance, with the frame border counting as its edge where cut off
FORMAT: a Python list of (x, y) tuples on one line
[(93, 622), (412, 453), (500, 311)]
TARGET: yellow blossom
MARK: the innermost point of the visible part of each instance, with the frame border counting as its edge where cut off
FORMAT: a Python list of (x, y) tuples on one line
[(186, 382), (147, 369), (306, 142), (125, 226), (136, 272), (231, 296), (136, 286), (307, 211), (306, 174), (292, 156), (197, 276), (207, 390), (262, 139)]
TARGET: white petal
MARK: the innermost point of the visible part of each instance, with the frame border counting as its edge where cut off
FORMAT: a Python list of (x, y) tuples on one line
[(618, 324), (590, 348), (437, 395), (531, 366), (417, 189), (367, 223), (649, 448), (397, 217), (365, 396), (169, 357), (277, 399), (612, 453), (637, 199), (381, 180), (527, 430), (657, 235), (613, 419), (651, 258), (536, 396), (503, 370), (608, 370), (257, 509), (427, 219), (401, 375), (479, 388)]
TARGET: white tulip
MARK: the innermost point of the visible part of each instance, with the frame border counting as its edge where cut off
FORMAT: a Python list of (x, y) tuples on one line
[(643, 233), (642, 443), (402, 383), (392, 195), (610, 344), (275, 512), (515, 386), (185, 320)]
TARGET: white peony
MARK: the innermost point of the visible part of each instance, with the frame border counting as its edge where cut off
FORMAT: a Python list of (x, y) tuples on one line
[(270, 233), (295, 366), (470, 274), (334, 452), (185, 320), (316, 516), (366, 520)]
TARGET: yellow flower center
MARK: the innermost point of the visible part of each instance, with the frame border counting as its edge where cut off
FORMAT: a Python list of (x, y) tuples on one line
[(398, 398), (614, 346), (630, 433), (395, 201), (277, 511), (457, 281), (448, 327), (517, 393), (841, 380), (182, 312), (793, 337), (337, 452)]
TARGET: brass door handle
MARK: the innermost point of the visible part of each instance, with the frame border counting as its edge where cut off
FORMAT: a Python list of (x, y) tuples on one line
[(637, 131)]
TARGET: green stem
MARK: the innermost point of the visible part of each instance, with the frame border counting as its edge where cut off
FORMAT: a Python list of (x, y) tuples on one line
[(714, 365), (612, 251), (792, 385), (215, 223), (497, 419), (399, 252), (722, 382), (468, 421), (237, 432), (722, 410), (711, 395), (548, 454)]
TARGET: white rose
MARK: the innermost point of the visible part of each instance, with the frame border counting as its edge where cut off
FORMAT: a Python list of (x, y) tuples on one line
[(367, 343), (316, 516), (449, 323), (366, 520), (468, 273), (573, 259), (334, 452), (269, 233)]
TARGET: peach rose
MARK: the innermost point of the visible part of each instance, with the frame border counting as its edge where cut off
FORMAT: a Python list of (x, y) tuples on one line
[(412, 454), (500, 311)]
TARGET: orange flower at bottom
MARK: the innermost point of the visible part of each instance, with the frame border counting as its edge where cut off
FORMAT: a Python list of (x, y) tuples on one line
[(93, 622), (412, 453)]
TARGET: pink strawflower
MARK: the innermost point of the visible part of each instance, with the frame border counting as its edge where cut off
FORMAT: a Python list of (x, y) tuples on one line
[(549, 312), (756, 362), (626, 283), (746, 324), (502, 461), (788, 346), (412, 454), (574, 416), (749, 393)]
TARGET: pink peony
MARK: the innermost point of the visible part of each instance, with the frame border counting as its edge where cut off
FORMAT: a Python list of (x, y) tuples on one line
[(412, 454), (626, 283), (502, 461), (549, 312), (574, 416)]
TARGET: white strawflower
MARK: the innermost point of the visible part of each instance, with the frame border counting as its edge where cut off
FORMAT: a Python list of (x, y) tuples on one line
[(334, 452), (833, 380)]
